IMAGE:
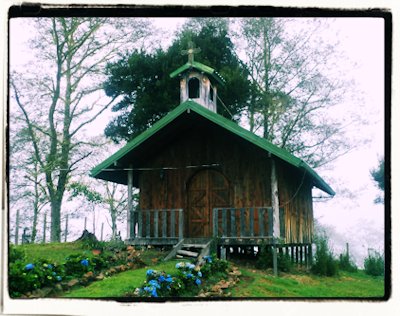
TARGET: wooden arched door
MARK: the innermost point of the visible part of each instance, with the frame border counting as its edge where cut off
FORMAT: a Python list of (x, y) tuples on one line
[(207, 189)]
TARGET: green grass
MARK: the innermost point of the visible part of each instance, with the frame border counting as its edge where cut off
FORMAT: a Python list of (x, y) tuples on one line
[(55, 252), (120, 284), (253, 282), (256, 283)]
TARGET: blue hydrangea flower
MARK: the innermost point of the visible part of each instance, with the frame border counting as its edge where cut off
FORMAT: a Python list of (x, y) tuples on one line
[(161, 279), (50, 266), (199, 274), (198, 281), (208, 259), (53, 273), (169, 279), (179, 265), (149, 272), (58, 278), (189, 276), (155, 284), (85, 262), (29, 266), (147, 289), (154, 293)]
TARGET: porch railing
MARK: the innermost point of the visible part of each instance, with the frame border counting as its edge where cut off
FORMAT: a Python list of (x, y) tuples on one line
[(159, 223), (243, 222)]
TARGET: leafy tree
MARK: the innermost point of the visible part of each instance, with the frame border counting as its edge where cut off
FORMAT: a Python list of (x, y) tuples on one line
[(59, 94), (293, 86), (142, 78), (378, 175)]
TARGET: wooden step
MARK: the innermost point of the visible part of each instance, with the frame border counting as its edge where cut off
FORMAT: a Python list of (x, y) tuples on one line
[(179, 257), (193, 246), (188, 253)]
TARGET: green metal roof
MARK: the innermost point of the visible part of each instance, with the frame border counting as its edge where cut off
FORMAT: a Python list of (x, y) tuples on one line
[(200, 67), (230, 126)]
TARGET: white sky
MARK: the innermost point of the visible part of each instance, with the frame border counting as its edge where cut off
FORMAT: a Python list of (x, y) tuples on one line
[(353, 169), (361, 40)]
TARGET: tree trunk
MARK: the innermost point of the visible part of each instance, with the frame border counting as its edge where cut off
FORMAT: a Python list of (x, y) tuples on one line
[(55, 231)]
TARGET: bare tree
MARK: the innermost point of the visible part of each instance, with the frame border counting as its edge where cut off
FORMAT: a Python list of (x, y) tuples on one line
[(296, 83), (61, 94)]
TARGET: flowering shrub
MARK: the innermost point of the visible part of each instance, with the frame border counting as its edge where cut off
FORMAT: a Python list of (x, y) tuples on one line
[(29, 276), (32, 276), (186, 281)]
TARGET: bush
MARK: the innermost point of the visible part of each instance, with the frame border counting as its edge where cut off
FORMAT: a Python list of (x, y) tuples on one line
[(24, 277), (186, 281), (16, 254), (265, 260), (346, 264), (374, 265), (325, 263)]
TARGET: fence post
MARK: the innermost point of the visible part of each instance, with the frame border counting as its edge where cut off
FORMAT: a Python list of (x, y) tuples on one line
[(44, 227), (66, 228), (16, 228), (85, 223), (101, 233)]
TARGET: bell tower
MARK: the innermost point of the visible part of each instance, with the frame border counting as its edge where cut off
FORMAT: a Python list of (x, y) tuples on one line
[(198, 82)]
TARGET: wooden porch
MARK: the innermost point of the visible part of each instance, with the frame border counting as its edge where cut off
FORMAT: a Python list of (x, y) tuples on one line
[(230, 226)]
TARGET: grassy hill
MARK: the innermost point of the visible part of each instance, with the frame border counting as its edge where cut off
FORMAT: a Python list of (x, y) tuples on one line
[(254, 283)]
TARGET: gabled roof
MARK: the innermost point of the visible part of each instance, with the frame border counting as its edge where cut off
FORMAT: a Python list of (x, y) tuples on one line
[(200, 67), (219, 120)]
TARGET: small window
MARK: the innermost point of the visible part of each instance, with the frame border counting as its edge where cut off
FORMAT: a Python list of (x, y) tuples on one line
[(211, 93), (194, 88)]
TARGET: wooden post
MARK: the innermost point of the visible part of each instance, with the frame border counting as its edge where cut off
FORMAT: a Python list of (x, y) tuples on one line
[(164, 223), (251, 224), (224, 223), (66, 228), (85, 224), (274, 260), (347, 250), (233, 222), (261, 222), (275, 211), (180, 230), (44, 227), (156, 223), (16, 228), (242, 223), (172, 223), (275, 201), (101, 232), (129, 232), (215, 222)]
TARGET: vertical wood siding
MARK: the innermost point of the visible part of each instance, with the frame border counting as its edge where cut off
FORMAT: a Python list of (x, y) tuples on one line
[(247, 169)]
